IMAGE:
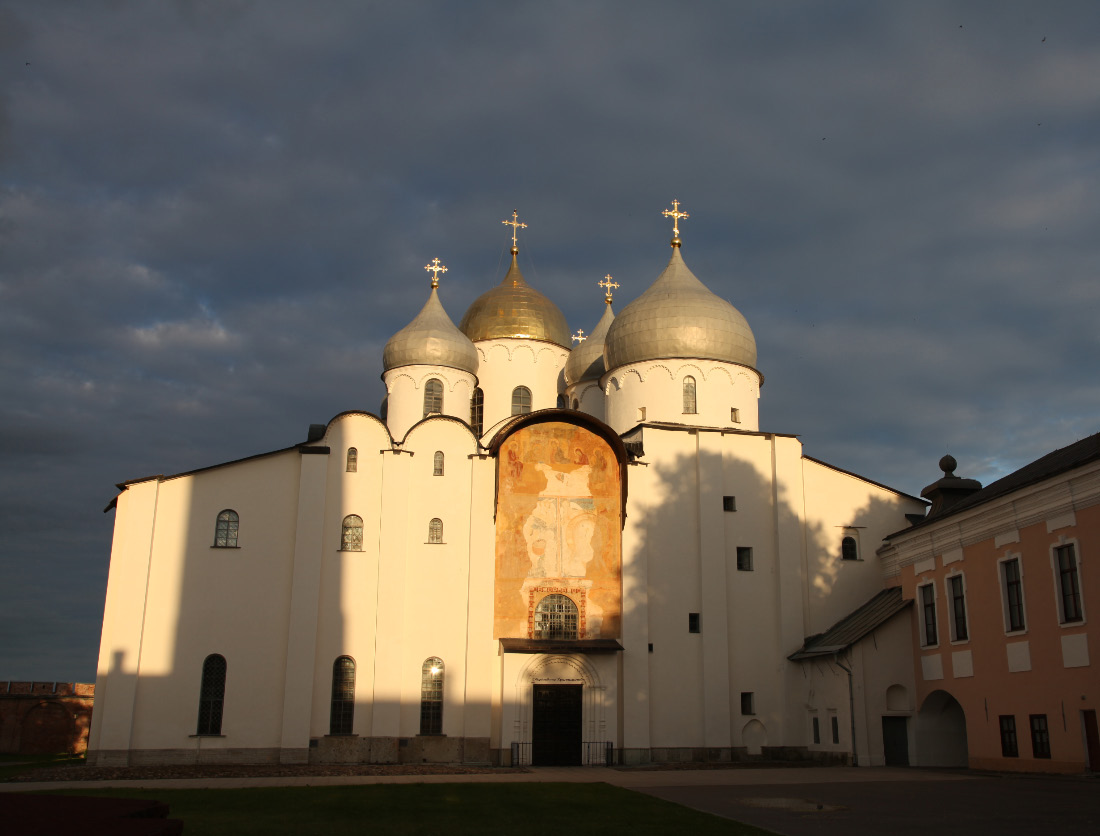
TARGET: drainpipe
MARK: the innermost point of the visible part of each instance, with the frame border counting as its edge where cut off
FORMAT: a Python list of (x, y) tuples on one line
[(851, 705)]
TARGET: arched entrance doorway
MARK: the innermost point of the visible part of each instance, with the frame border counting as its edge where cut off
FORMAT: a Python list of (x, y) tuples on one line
[(941, 732)]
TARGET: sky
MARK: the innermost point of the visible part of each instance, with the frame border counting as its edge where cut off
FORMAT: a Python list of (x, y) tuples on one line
[(214, 214)]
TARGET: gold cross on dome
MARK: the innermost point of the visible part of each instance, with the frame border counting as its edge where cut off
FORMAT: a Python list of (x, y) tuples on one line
[(579, 337), (607, 284), (516, 224), (435, 268), (675, 214)]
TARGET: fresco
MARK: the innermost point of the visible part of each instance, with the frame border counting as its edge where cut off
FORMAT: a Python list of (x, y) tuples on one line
[(558, 529)]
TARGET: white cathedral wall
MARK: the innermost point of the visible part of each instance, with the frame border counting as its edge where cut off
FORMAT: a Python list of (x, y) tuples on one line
[(508, 363), (840, 504), (654, 391), (590, 398), (405, 395)]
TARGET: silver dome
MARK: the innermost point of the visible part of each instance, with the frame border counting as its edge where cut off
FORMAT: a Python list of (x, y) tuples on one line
[(586, 360), (677, 317), (431, 339)]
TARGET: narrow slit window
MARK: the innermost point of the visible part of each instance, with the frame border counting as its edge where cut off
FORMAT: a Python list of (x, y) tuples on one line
[(1014, 595), (226, 529), (693, 622), (212, 695), (689, 395), (958, 608), (437, 463), (342, 706), (431, 696), (477, 411), (353, 460), (1069, 583), (928, 612), (433, 398)]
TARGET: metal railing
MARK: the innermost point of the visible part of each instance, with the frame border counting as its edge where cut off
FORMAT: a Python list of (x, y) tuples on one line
[(593, 753)]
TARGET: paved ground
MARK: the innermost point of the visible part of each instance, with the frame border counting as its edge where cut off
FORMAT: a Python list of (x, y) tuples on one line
[(799, 801)]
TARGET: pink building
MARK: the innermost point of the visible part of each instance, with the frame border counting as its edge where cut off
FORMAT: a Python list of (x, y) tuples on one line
[(1003, 581)]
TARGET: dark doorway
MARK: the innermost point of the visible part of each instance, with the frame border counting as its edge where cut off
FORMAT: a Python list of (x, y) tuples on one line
[(556, 725), (1092, 739), (895, 740)]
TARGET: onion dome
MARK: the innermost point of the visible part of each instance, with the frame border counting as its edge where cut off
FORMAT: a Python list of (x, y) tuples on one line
[(515, 309), (586, 360), (431, 339), (678, 317)]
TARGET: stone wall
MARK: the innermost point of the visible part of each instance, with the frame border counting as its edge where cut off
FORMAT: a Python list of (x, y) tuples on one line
[(45, 718)]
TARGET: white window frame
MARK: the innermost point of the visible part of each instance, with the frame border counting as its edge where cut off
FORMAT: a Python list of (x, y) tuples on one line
[(924, 643), (949, 601), (1058, 604), (1002, 582)]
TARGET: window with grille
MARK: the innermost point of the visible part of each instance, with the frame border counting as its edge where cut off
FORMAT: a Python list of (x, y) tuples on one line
[(1013, 591), (1069, 585), (431, 696), (521, 400), (353, 460), (1040, 736), (689, 395), (556, 617), (477, 411), (433, 398), (1009, 746), (928, 615), (956, 589), (351, 537), (437, 463), (342, 706), (211, 695), (849, 549), (435, 531), (226, 528)]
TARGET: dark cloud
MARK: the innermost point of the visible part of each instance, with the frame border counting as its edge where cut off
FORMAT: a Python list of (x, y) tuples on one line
[(214, 214)]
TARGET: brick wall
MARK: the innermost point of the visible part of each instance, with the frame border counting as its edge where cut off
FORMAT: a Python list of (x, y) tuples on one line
[(45, 718)]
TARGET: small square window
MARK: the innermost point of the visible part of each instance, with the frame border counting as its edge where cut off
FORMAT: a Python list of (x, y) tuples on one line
[(744, 558), (1009, 748), (836, 728), (729, 503), (735, 415), (641, 413), (747, 706), (693, 622)]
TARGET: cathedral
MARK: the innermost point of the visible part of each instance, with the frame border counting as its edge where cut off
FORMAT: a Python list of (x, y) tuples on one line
[(547, 549)]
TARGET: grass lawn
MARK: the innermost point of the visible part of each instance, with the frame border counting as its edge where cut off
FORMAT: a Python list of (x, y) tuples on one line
[(451, 809), (12, 765)]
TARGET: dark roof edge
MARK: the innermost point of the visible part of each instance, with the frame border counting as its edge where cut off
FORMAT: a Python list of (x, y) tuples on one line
[(865, 479)]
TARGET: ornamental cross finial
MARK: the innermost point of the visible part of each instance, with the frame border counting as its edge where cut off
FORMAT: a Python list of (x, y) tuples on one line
[(607, 284), (516, 225), (435, 268), (579, 337), (675, 214)]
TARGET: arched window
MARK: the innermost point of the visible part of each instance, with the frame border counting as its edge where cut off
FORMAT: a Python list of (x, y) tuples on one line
[(433, 398), (689, 395), (563, 402), (556, 618), (849, 549), (351, 535), (342, 707), (477, 411), (521, 400), (435, 531), (225, 532), (437, 463), (431, 696), (353, 460), (211, 695)]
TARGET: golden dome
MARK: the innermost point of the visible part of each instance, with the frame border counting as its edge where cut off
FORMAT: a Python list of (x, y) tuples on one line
[(515, 309)]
